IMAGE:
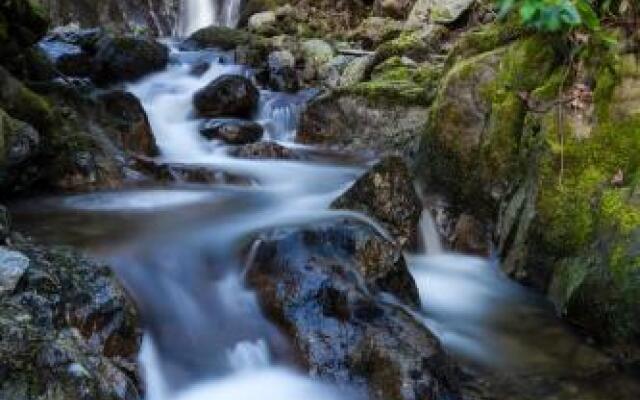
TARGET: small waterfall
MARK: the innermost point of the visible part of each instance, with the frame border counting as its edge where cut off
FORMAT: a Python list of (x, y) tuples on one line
[(197, 14), (431, 243)]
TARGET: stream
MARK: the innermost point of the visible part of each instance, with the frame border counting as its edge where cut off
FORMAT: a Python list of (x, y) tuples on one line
[(177, 250)]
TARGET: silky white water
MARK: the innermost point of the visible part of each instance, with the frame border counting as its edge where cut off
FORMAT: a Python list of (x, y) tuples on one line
[(196, 14)]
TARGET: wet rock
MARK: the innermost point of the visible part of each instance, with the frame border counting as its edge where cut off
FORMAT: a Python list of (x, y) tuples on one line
[(470, 236), (20, 144), (12, 266), (128, 58), (5, 223), (232, 131), (200, 68), (218, 37), (266, 150), (227, 96), (70, 59), (352, 122), (321, 284), (386, 193), (132, 131), (184, 173), (68, 331), (330, 73)]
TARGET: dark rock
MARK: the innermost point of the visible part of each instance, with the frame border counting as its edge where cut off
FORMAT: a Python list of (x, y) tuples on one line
[(232, 131), (128, 58), (19, 146), (470, 236), (200, 68), (387, 194), (5, 224), (185, 173), (320, 284), (132, 131), (266, 150), (22, 24), (219, 37), (68, 330), (227, 96)]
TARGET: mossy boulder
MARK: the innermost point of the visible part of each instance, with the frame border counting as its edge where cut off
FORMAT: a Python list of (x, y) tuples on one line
[(19, 146), (68, 329), (558, 182), (219, 37)]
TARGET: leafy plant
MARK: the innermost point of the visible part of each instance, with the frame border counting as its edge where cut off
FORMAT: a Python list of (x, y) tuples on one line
[(553, 15)]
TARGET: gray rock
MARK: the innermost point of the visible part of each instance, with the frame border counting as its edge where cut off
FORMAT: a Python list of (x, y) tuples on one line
[(262, 21), (356, 70), (350, 122), (316, 53), (12, 266), (437, 11)]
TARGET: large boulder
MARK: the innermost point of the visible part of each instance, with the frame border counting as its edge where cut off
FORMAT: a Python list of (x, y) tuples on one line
[(354, 122), (387, 194), (232, 131), (322, 285), (131, 131), (19, 146), (227, 96), (127, 58), (68, 330), (218, 37), (393, 8)]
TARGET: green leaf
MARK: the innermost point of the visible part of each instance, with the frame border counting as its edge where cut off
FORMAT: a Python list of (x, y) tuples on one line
[(589, 17)]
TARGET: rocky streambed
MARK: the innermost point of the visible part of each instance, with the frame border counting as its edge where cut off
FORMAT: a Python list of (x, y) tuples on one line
[(268, 206)]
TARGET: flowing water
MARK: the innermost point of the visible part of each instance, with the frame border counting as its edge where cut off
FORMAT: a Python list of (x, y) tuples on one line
[(178, 250), (196, 14)]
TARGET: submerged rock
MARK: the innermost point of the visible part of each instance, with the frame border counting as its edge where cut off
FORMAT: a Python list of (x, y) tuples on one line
[(232, 131), (227, 96), (386, 193), (68, 330), (266, 150), (322, 285), (127, 59)]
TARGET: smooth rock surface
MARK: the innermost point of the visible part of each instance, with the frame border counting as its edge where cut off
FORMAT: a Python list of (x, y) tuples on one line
[(227, 96)]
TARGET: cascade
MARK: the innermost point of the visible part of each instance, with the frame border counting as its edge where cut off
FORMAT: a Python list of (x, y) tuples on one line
[(197, 14)]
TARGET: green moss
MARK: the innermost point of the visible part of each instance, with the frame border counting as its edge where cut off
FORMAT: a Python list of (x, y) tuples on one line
[(395, 83), (486, 38)]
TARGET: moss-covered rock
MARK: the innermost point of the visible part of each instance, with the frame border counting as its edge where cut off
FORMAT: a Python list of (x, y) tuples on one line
[(397, 81), (22, 23), (558, 180)]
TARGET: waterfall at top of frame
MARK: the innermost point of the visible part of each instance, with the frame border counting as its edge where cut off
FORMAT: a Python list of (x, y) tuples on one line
[(197, 14)]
